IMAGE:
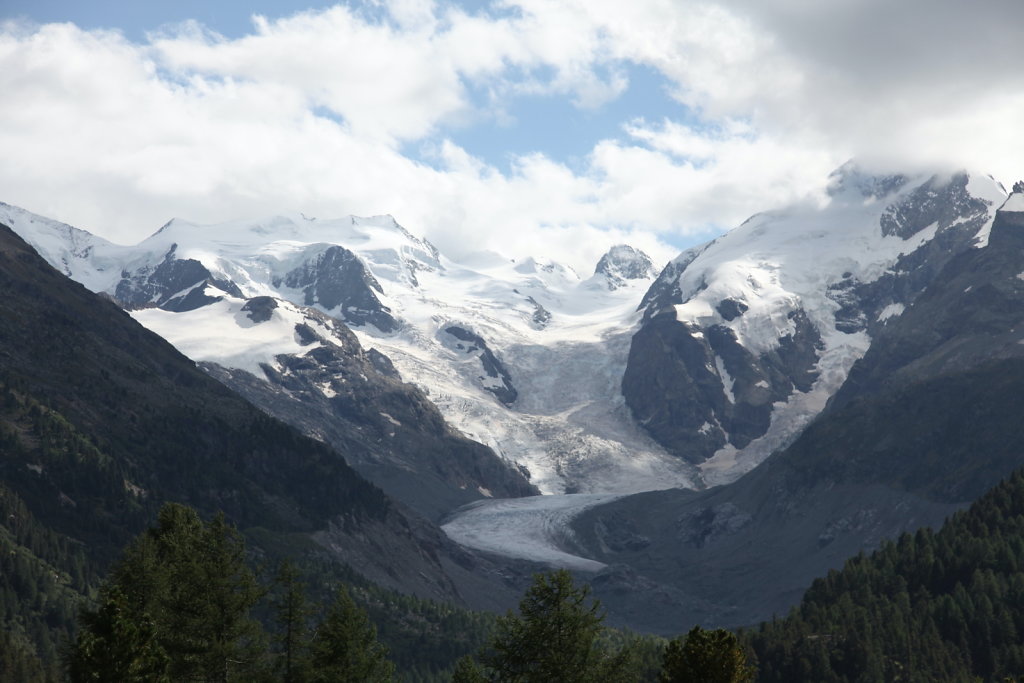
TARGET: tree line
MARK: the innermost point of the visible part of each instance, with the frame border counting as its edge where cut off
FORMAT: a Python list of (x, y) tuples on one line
[(178, 606), (559, 635), (930, 606)]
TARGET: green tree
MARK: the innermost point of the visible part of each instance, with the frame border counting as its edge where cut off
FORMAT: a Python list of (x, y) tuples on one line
[(706, 656), (345, 647), (176, 606), (205, 598), (467, 670), (292, 612), (557, 636), (115, 645)]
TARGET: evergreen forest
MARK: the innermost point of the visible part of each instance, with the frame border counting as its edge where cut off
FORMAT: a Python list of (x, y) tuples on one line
[(929, 606), (181, 604)]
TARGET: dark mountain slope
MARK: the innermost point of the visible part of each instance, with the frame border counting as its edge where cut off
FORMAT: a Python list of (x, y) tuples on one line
[(153, 422), (886, 457), (44, 577), (105, 421), (972, 313), (389, 431)]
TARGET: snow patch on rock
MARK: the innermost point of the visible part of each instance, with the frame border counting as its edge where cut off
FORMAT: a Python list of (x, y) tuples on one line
[(891, 311)]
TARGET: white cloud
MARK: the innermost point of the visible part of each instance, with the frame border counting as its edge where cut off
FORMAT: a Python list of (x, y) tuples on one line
[(897, 80), (311, 112), (719, 176), (386, 84)]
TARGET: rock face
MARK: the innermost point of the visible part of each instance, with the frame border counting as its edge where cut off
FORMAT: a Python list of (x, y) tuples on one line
[(938, 201), (745, 338), (541, 316), (623, 262), (927, 421), (493, 376), (971, 316), (666, 289), (337, 281), (957, 219), (355, 400), (698, 390), (173, 285), (260, 308)]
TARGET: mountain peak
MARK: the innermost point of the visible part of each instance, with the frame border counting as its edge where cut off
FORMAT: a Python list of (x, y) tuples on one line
[(1007, 231), (853, 178), (623, 262), (1015, 202)]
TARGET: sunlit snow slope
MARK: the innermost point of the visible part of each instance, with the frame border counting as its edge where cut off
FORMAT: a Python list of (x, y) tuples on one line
[(525, 357), (734, 348), (746, 338)]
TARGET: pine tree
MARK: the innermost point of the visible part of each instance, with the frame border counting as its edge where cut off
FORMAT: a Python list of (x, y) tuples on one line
[(468, 671), (116, 645), (176, 606), (205, 598), (705, 656), (292, 612), (345, 647), (556, 637)]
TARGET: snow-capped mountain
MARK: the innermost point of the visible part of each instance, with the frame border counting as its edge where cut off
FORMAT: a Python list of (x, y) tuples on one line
[(745, 338), (523, 356), (623, 263), (741, 341), (926, 422)]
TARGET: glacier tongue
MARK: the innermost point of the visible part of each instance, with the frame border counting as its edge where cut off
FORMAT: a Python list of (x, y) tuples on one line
[(536, 529)]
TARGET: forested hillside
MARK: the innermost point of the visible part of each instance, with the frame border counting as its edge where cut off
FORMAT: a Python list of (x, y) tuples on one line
[(945, 606)]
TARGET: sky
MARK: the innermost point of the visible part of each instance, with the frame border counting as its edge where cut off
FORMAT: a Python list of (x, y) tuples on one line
[(552, 128)]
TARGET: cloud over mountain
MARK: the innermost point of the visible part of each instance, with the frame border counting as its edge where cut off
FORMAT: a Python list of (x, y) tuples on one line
[(359, 108)]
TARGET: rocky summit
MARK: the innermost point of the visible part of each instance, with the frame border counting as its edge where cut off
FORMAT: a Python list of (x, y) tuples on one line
[(744, 339)]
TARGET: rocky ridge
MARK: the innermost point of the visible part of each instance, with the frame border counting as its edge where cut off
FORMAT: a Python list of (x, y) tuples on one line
[(926, 422), (745, 338)]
